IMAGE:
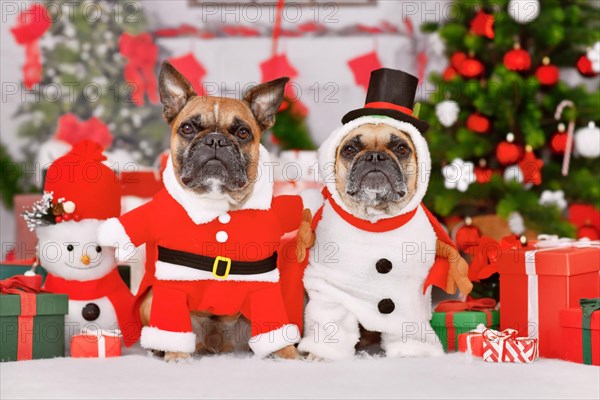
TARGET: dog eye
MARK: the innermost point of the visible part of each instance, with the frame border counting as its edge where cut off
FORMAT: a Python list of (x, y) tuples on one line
[(187, 129), (348, 151), (402, 150), (243, 133)]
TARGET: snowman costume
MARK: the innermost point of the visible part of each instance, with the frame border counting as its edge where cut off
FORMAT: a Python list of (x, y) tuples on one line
[(377, 272)]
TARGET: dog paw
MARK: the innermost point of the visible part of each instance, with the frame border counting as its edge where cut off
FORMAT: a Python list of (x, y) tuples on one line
[(287, 353), (314, 357), (172, 356)]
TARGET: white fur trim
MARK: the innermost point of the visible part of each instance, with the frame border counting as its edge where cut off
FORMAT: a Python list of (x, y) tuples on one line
[(328, 151), (158, 339), (312, 199), (111, 233), (266, 343), (205, 208), (173, 272)]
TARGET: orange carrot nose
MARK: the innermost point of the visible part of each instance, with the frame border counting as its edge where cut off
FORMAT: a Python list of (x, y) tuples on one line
[(85, 259)]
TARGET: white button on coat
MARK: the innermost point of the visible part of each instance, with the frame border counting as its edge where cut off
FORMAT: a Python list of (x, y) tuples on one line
[(222, 236), (224, 218)]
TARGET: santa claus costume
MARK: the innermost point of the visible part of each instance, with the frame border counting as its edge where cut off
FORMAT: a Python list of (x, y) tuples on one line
[(211, 259), (375, 272), (80, 193)]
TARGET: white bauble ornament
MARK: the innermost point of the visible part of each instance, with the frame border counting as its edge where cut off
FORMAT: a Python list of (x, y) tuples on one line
[(594, 56), (459, 175), (447, 112), (513, 173), (587, 141), (516, 224), (524, 11), (553, 198)]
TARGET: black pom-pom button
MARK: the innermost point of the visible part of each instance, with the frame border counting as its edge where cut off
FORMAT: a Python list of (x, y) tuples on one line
[(90, 312), (383, 266), (386, 306)]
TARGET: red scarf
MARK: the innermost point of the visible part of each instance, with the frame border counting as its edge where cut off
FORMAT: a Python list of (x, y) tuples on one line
[(438, 274), (112, 286)]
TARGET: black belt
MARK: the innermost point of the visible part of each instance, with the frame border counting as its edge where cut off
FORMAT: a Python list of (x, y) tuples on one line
[(221, 267)]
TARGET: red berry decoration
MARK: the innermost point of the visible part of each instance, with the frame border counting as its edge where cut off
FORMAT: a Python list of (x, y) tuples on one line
[(478, 123), (467, 235), (58, 219), (517, 59), (449, 74), (508, 152), (588, 231), (584, 66), (482, 173), (531, 167), (547, 73), (66, 217), (558, 143), (483, 24), (456, 59), (76, 217), (471, 68)]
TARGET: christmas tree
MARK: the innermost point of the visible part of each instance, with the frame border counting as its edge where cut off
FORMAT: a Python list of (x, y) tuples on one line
[(495, 142), (498, 149), (89, 55), (290, 131)]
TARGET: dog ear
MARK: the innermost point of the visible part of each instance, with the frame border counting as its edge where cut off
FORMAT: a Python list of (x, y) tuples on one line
[(265, 99), (174, 90)]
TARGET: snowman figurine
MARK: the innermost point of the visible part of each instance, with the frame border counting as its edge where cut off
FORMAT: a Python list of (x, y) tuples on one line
[(79, 193)]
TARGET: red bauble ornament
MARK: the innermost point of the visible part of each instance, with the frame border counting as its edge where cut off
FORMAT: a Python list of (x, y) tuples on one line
[(467, 235), (471, 68), (547, 73), (483, 24), (456, 59), (588, 231), (584, 66), (483, 174), (478, 123), (508, 152), (531, 167), (449, 74), (558, 143), (517, 59)]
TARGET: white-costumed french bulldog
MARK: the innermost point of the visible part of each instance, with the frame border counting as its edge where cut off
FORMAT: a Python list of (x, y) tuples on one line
[(377, 248)]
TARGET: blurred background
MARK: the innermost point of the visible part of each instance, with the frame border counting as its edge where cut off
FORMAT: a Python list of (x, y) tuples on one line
[(510, 89)]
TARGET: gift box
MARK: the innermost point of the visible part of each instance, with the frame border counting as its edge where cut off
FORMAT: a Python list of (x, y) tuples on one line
[(12, 268), (32, 324), (580, 332), (449, 322), (537, 280), (472, 342), (506, 346), (97, 344)]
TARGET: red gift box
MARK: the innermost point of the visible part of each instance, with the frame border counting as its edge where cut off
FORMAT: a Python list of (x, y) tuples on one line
[(537, 280), (571, 333), (506, 346), (98, 344), (472, 342)]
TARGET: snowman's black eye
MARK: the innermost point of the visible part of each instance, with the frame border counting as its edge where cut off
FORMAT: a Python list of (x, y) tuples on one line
[(98, 249), (70, 247)]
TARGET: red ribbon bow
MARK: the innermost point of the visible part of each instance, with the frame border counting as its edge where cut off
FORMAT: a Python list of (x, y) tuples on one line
[(73, 131), (452, 306), (141, 53), (484, 259), (26, 287), (31, 25)]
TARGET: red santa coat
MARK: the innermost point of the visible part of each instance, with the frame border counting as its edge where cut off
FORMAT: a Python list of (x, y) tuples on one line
[(178, 220)]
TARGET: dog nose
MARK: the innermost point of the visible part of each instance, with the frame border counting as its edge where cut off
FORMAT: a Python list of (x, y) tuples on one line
[(216, 140), (375, 156)]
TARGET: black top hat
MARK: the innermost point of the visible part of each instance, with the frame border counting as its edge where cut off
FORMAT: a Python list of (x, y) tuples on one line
[(391, 93)]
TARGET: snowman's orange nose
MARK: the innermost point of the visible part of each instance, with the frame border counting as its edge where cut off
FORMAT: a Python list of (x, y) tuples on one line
[(85, 259)]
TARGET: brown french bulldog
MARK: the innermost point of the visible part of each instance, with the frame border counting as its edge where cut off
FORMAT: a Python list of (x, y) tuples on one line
[(215, 145)]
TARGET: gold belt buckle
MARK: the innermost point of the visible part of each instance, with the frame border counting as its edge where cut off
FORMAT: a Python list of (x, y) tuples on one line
[(216, 266)]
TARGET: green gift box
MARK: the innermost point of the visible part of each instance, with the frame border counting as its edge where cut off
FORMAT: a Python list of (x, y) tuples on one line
[(9, 269), (39, 336), (448, 324)]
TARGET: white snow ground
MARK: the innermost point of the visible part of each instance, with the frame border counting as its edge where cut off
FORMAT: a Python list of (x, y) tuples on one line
[(139, 376)]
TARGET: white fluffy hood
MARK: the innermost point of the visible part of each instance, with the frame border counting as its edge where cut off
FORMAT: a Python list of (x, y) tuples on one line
[(203, 209), (328, 151)]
